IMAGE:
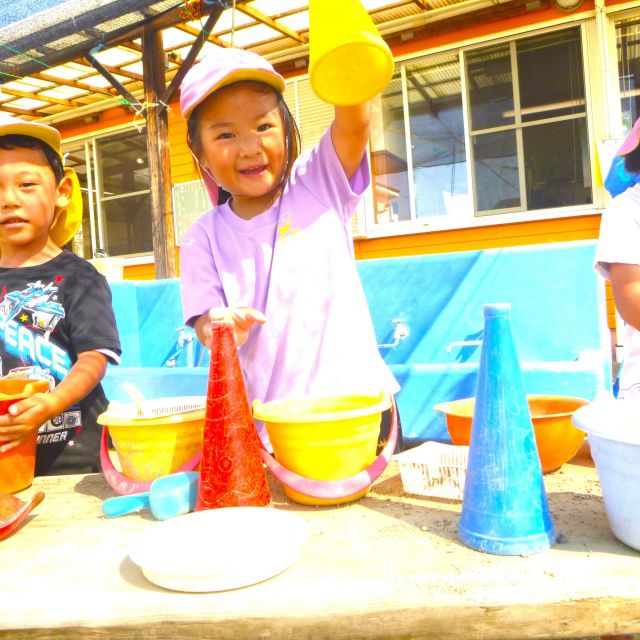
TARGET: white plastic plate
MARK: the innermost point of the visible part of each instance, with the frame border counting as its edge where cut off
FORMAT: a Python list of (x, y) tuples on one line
[(219, 549)]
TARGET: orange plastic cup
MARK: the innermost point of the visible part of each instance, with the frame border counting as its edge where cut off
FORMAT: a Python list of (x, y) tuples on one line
[(17, 466)]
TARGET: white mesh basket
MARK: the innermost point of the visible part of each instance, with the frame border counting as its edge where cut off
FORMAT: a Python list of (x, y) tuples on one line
[(434, 469), (155, 408)]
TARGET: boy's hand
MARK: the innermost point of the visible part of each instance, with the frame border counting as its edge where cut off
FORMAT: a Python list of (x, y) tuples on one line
[(242, 319), (29, 414), (23, 418)]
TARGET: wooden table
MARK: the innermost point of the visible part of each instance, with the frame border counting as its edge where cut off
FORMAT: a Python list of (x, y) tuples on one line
[(388, 566)]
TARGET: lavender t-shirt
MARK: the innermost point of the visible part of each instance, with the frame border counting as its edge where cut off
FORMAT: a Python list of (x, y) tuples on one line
[(295, 263)]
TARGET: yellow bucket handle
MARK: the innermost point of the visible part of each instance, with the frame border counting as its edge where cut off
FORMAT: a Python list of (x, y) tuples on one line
[(123, 485), (334, 489)]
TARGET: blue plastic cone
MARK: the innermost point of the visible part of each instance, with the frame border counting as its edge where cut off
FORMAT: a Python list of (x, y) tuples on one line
[(504, 509)]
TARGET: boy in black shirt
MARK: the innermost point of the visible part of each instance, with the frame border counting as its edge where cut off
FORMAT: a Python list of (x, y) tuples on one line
[(56, 317)]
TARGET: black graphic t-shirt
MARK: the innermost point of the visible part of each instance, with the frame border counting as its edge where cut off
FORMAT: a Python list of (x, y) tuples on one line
[(48, 314)]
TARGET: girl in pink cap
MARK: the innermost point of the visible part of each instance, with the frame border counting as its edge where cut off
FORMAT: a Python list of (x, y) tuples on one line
[(618, 260), (275, 256)]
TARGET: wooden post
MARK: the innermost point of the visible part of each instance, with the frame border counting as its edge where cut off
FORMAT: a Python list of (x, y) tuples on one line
[(164, 245)]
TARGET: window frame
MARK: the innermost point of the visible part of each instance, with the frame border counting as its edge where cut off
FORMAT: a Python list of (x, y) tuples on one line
[(97, 215), (593, 110)]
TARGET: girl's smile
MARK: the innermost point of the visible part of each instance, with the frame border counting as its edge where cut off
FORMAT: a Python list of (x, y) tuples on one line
[(254, 170), (243, 145)]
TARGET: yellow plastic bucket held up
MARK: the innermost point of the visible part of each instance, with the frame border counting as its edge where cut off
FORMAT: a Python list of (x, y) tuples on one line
[(349, 62), (324, 439), (150, 447)]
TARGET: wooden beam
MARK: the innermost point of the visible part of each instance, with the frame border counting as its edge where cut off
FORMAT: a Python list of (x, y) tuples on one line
[(264, 19), (164, 244), (195, 32), (76, 84), (37, 96), (124, 72), (133, 46), (34, 113)]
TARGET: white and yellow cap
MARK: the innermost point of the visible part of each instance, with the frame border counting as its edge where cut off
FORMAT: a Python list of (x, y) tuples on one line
[(69, 218)]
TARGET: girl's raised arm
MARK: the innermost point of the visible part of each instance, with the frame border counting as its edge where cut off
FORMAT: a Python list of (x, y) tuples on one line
[(350, 134)]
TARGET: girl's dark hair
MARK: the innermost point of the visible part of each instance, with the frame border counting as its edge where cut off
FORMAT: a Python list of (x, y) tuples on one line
[(632, 161), (19, 141), (291, 137)]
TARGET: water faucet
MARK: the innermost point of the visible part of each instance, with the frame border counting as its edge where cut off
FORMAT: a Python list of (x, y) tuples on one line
[(399, 333), (463, 343)]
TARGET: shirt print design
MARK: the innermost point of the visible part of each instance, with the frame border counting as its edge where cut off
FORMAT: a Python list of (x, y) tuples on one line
[(27, 320), (285, 230)]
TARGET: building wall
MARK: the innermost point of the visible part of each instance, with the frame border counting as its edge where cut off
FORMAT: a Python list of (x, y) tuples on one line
[(580, 227)]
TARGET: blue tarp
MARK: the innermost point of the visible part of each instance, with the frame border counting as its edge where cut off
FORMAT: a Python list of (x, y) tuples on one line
[(558, 318)]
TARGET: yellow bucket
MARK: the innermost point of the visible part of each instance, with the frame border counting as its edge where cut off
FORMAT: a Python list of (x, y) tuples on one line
[(349, 62), (324, 438), (157, 445)]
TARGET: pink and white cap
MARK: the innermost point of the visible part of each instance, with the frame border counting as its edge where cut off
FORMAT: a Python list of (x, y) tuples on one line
[(219, 68)]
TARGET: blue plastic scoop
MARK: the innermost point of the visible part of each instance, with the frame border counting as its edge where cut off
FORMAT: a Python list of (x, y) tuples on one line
[(168, 496)]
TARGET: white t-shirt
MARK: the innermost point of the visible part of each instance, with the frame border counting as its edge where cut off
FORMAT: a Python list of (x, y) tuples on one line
[(619, 242)]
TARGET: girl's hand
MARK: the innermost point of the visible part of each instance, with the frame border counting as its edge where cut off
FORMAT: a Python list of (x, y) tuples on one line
[(242, 319), (23, 418)]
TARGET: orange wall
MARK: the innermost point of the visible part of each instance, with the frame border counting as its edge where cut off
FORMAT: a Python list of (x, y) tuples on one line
[(113, 117), (488, 27), (486, 237)]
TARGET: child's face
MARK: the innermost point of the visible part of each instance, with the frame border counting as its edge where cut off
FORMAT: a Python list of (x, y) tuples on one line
[(28, 198), (243, 145)]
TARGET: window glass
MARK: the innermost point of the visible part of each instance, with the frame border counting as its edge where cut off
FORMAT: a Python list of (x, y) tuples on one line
[(490, 84), (525, 131), (540, 139), (496, 171), (627, 38), (128, 225), (115, 194), (76, 159), (550, 75), (437, 137), (124, 194), (123, 164), (433, 181), (389, 157), (557, 164)]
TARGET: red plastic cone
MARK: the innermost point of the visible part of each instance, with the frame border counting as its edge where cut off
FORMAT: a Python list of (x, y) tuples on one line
[(231, 471)]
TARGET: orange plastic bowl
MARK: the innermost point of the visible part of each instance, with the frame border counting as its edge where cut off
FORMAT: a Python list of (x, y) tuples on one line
[(556, 437)]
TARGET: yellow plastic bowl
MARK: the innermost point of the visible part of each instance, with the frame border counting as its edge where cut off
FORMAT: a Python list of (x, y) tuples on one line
[(149, 448), (556, 437), (324, 438)]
